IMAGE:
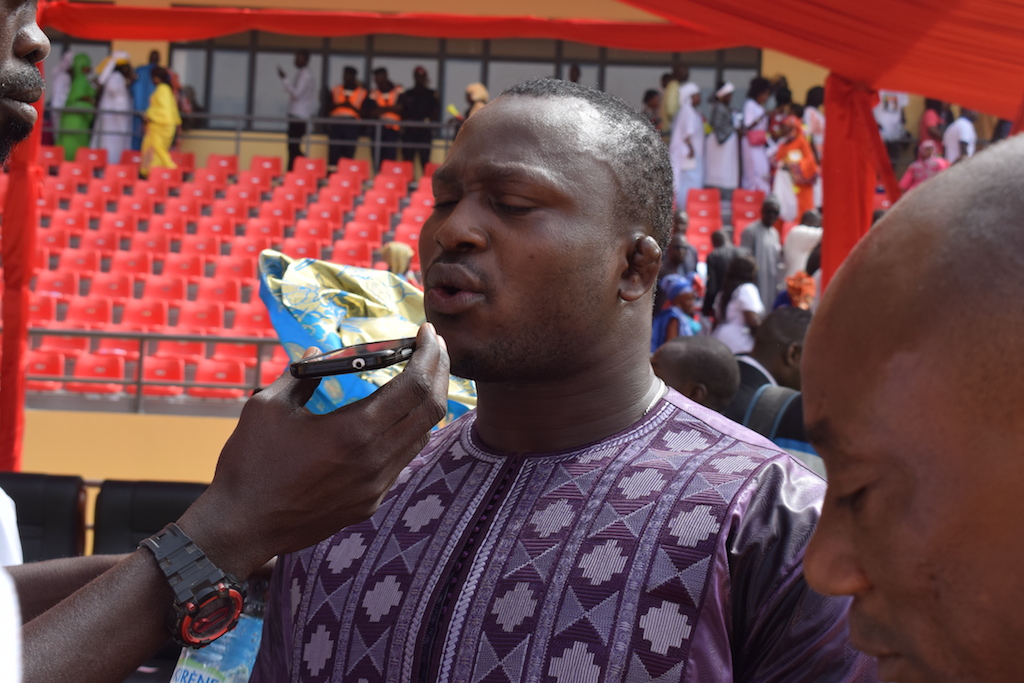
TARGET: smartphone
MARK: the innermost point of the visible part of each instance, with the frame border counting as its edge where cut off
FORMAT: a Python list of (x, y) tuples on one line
[(357, 358)]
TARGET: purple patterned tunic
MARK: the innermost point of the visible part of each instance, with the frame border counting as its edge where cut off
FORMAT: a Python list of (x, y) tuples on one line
[(668, 552)]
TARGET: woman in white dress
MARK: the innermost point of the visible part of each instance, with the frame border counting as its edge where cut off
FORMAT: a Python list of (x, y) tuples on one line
[(738, 307), (113, 128), (756, 168), (814, 124), (686, 146), (722, 157)]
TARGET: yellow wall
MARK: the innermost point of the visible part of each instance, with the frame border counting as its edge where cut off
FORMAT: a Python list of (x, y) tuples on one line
[(123, 446)]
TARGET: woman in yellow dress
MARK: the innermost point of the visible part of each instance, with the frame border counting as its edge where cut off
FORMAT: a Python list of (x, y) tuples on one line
[(162, 120)]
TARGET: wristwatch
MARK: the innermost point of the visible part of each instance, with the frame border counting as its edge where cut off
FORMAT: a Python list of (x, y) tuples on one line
[(207, 601)]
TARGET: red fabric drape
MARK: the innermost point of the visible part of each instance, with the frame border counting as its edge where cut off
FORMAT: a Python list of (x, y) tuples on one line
[(21, 215), (855, 159), (107, 22)]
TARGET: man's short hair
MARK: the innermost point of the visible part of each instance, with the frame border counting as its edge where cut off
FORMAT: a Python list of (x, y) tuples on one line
[(380, 71), (717, 239), (640, 163), (302, 53), (783, 327), (350, 70), (703, 360)]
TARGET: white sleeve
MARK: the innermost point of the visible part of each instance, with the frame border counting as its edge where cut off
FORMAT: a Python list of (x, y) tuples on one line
[(751, 112), (10, 631), (750, 298), (10, 540)]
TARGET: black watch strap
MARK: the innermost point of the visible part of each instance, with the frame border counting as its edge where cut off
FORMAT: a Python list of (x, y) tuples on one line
[(196, 582)]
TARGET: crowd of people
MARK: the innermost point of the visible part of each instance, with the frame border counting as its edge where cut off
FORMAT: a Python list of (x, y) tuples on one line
[(118, 108)]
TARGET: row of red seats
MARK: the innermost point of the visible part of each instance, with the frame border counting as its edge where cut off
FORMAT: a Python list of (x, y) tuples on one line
[(120, 287), (105, 374)]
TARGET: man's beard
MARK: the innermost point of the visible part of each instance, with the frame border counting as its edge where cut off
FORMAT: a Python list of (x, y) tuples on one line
[(17, 129)]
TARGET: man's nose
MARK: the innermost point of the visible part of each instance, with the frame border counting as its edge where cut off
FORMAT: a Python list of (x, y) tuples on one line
[(831, 563), (464, 228)]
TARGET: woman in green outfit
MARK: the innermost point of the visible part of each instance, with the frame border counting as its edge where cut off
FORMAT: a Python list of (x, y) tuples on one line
[(76, 127)]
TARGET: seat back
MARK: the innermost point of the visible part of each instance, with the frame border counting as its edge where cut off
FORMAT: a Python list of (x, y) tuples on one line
[(129, 511), (51, 513)]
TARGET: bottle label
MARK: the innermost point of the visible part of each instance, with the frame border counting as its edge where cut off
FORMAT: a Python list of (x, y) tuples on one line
[(229, 659)]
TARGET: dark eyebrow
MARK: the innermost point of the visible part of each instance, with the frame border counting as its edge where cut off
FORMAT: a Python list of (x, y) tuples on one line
[(446, 175)]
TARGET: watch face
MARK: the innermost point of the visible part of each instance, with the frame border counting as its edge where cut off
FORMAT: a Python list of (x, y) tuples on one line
[(213, 617)]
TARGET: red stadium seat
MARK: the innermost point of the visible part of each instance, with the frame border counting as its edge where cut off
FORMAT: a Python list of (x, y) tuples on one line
[(401, 169), (346, 182), (331, 214), (156, 369), (428, 171), (42, 259), (107, 189), (42, 311), (268, 227), (57, 283), (226, 290), (172, 225), (250, 246), (202, 193), (359, 168), (352, 253), (383, 199), (342, 197), (155, 243), (226, 163), (228, 208), (255, 180), (75, 222), (131, 157), (59, 188), (265, 164), (185, 161), (126, 174), (296, 196), (95, 366), (703, 196), (68, 346), (190, 352), (126, 347), (131, 262), (51, 156), (242, 353), (54, 239), (44, 364), (90, 312), (191, 266), (415, 215), (186, 207), (122, 224), (280, 210), (422, 200), (146, 314), (74, 172), (700, 230), (213, 176), (214, 371), (359, 231), (154, 188), (93, 158), (168, 177), (164, 288), (373, 214), (313, 229), (408, 234), (252, 320), (317, 168), (115, 286), (80, 260), (140, 206), (205, 245), (301, 248), (216, 226), (206, 316), (242, 267), (247, 197)]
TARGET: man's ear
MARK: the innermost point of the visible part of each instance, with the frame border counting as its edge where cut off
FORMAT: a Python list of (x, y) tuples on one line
[(643, 263), (698, 393), (793, 353)]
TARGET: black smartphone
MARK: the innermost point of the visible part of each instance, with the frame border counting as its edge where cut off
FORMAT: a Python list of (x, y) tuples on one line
[(357, 358)]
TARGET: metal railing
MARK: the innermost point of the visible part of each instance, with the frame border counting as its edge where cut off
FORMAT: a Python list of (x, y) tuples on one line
[(242, 128), (137, 379)]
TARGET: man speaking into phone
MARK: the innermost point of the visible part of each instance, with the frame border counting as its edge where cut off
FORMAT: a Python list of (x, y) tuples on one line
[(584, 523)]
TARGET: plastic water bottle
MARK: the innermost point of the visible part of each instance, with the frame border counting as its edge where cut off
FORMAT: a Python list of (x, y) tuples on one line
[(230, 658)]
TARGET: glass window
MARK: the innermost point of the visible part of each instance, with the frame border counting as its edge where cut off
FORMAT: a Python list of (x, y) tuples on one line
[(588, 73), (406, 45), (281, 41), (466, 48), (190, 65), (458, 73), (630, 82), (502, 75), (523, 47), (580, 51), (229, 83), (270, 97)]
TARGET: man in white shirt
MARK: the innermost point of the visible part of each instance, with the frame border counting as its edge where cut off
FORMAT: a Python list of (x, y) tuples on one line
[(801, 241), (301, 103), (960, 139)]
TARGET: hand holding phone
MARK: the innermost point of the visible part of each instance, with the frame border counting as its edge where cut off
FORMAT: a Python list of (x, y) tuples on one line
[(356, 358)]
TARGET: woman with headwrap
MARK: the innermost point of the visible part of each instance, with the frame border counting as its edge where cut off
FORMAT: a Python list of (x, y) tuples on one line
[(929, 163), (113, 130), (686, 146), (797, 167), (162, 120), (722, 161), (75, 126), (398, 256)]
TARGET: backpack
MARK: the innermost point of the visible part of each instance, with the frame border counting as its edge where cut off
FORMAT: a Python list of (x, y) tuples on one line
[(766, 409)]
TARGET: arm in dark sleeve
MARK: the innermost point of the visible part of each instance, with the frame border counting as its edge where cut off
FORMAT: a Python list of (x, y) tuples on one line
[(272, 662), (782, 630)]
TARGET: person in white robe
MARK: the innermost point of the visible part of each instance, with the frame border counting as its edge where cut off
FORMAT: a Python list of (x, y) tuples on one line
[(113, 128), (722, 152), (686, 146), (756, 167)]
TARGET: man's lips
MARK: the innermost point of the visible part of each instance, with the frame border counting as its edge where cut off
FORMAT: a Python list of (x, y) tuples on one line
[(21, 103), (451, 289)]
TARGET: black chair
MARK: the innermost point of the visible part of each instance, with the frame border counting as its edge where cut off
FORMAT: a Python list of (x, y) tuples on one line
[(129, 511), (51, 513)]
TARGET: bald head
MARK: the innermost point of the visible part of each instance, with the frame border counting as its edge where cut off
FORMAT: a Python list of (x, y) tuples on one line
[(912, 376), (700, 368)]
